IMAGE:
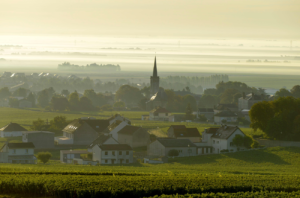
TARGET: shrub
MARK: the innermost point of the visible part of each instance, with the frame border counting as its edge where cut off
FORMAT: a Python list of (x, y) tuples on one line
[(44, 156), (255, 144), (247, 141), (224, 151)]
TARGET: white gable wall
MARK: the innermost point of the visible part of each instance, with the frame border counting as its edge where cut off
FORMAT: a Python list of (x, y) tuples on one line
[(115, 131)]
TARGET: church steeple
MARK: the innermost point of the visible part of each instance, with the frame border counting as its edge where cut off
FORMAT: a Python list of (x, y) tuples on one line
[(155, 68)]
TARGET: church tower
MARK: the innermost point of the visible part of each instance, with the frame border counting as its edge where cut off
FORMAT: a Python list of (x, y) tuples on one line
[(154, 80)]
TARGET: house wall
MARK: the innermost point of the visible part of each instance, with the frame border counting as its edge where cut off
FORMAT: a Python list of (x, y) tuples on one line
[(117, 158), (11, 134), (171, 132), (20, 151), (183, 151), (140, 138), (40, 140), (156, 148), (125, 139), (193, 139), (84, 135), (115, 131), (3, 157), (96, 153), (224, 144), (204, 150)]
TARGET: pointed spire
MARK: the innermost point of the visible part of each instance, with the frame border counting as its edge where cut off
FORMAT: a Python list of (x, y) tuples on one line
[(155, 68)]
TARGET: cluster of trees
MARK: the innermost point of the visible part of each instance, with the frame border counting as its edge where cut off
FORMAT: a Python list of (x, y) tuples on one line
[(226, 93), (295, 92), (244, 141), (56, 125), (93, 66), (278, 119)]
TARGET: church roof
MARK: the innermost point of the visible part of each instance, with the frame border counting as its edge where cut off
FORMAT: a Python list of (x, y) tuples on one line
[(155, 68)]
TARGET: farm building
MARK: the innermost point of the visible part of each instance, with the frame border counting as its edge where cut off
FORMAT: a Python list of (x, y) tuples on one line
[(114, 128), (133, 136), (162, 147), (19, 153), (113, 154), (67, 156), (161, 114), (12, 130), (118, 117), (102, 139), (40, 139)]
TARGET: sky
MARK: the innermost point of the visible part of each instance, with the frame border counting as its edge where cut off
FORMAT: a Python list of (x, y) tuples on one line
[(199, 18)]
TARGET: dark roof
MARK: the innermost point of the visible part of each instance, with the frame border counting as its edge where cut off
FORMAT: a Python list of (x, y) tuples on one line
[(159, 110), (12, 127), (115, 147), (97, 125), (169, 142), (225, 132), (253, 96), (74, 151), (210, 110), (211, 130), (38, 132), (20, 145), (178, 126), (226, 113), (128, 130), (225, 106), (188, 132), (112, 126), (100, 140)]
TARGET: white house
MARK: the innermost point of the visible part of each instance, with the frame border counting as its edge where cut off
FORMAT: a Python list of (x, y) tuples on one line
[(161, 114), (226, 115), (19, 153), (113, 154), (12, 130), (221, 138), (103, 139), (162, 147)]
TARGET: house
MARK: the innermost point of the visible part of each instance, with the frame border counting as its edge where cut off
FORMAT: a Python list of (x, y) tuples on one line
[(113, 154), (114, 128), (207, 112), (67, 156), (40, 139), (181, 132), (162, 147), (19, 153), (221, 138), (116, 117), (82, 131), (102, 139), (161, 114), (225, 107), (247, 101), (133, 136), (225, 116), (12, 130), (25, 103)]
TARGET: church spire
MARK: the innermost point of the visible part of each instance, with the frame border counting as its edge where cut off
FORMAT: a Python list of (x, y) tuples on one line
[(155, 68)]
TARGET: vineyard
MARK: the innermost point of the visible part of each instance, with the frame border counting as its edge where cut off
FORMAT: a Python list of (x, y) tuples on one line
[(273, 172)]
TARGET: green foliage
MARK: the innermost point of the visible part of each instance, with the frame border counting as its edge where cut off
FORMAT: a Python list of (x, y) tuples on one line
[(20, 92), (173, 153), (248, 141), (38, 125), (13, 102), (240, 141), (208, 101), (227, 96), (128, 94), (74, 101), (120, 105), (189, 112), (255, 144), (43, 98), (31, 98), (59, 103), (4, 93), (106, 107), (282, 93), (44, 156), (295, 91)]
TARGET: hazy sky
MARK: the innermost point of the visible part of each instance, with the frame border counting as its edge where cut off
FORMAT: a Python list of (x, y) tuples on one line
[(242, 18)]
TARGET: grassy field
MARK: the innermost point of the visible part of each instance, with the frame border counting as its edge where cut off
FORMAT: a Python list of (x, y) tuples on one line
[(257, 173)]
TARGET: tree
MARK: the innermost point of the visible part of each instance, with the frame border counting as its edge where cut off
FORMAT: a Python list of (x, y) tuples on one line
[(21, 92), (58, 124), (85, 104), (65, 92), (208, 101), (59, 103), (295, 91), (189, 99), (173, 153), (13, 102), (227, 96), (44, 156), (260, 114), (282, 93), (31, 98), (247, 141), (91, 94), (38, 125), (119, 105), (43, 98), (238, 140), (106, 107), (4, 93), (235, 99), (128, 94), (189, 112), (142, 103), (74, 101)]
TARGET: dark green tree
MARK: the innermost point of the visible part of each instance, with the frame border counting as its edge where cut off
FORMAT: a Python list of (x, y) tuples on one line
[(295, 91), (59, 103), (189, 112), (43, 98), (4, 93), (44, 156), (173, 153), (31, 98)]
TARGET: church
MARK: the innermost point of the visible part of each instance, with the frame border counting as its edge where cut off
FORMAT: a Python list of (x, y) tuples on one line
[(158, 96)]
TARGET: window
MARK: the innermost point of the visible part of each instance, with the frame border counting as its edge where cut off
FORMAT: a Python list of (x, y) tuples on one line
[(106, 153), (113, 153), (127, 152), (106, 161), (127, 161)]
